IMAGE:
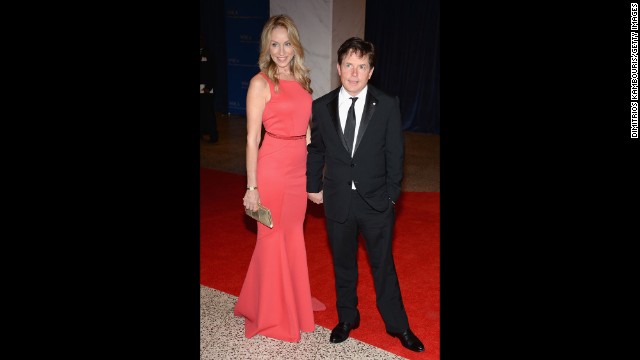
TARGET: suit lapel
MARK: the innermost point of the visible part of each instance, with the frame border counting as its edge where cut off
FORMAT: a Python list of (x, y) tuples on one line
[(332, 106), (369, 109)]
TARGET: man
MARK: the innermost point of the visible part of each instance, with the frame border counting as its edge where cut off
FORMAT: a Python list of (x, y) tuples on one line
[(354, 168), (208, 122)]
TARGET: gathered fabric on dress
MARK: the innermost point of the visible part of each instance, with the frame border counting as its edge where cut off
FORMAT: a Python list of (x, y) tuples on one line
[(275, 299)]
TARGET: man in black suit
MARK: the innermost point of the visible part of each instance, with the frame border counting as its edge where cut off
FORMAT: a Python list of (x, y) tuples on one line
[(358, 181), (208, 122)]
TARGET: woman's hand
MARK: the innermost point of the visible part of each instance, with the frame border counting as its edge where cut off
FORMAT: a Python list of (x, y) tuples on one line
[(251, 200)]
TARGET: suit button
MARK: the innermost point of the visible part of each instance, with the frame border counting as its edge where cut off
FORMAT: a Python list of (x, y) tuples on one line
[(349, 183), (352, 165)]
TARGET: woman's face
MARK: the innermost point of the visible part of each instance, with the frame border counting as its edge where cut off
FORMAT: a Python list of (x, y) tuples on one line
[(354, 72), (280, 47)]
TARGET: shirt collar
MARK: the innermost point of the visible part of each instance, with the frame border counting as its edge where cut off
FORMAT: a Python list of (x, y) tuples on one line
[(344, 95)]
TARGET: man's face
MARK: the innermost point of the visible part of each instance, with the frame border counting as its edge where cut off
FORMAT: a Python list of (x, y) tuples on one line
[(354, 72)]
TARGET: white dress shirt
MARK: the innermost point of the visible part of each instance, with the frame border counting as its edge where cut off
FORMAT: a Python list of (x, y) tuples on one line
[(344, 103)]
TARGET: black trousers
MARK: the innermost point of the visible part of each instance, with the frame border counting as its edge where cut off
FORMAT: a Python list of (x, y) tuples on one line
[(208, 122), (377, 230)]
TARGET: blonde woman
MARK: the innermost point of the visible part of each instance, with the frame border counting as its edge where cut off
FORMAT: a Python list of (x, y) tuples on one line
[(275, 299)]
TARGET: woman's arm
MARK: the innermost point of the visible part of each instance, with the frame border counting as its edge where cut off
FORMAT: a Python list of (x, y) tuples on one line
[(257, 97)]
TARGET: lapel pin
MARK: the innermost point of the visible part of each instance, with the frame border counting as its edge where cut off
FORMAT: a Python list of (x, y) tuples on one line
[(374, 103)]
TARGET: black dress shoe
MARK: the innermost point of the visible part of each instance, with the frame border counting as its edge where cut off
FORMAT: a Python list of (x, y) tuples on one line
[(409, 340), (340, 333)]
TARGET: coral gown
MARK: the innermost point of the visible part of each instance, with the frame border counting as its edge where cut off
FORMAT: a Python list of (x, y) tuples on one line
[(275, 299)]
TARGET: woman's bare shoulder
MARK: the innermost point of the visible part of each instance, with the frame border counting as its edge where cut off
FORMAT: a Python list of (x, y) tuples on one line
[(259, 87), (258, 80)]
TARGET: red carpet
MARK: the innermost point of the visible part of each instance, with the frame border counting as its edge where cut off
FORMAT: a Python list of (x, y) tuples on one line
[(227, 238)]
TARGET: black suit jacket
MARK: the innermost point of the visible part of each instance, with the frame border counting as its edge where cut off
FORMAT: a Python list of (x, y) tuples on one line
[(208, 73), (376, 166)]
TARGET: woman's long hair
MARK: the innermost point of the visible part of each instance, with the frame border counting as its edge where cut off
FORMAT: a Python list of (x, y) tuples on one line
[(269, 67)]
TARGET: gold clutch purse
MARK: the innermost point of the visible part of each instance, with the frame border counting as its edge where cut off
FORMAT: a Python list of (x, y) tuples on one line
[(263, 215)]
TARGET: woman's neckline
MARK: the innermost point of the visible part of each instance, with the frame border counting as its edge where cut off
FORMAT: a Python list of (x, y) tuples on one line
[(285, 79), (267, 76)]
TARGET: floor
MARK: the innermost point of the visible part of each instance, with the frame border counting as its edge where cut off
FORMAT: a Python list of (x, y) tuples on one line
[(222, 337), (221, 333)]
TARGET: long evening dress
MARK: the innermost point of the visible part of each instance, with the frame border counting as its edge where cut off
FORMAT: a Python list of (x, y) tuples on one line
[(275, 299)]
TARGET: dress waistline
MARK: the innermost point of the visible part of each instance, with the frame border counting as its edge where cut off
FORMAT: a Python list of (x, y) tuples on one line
[(297, 137)]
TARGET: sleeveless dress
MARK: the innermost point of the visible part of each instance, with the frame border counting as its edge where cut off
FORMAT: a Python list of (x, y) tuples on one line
[(275, 299)]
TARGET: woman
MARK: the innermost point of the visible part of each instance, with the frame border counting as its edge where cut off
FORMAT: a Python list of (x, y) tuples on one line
[(275, 299)]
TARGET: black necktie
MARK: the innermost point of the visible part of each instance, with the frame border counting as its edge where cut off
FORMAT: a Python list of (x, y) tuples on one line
[(350, 125)]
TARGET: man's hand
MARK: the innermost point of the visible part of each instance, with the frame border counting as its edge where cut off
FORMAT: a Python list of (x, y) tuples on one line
[(315, 197)]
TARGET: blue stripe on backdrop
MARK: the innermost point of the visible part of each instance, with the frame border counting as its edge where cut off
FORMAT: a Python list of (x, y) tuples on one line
[(244, 20)]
